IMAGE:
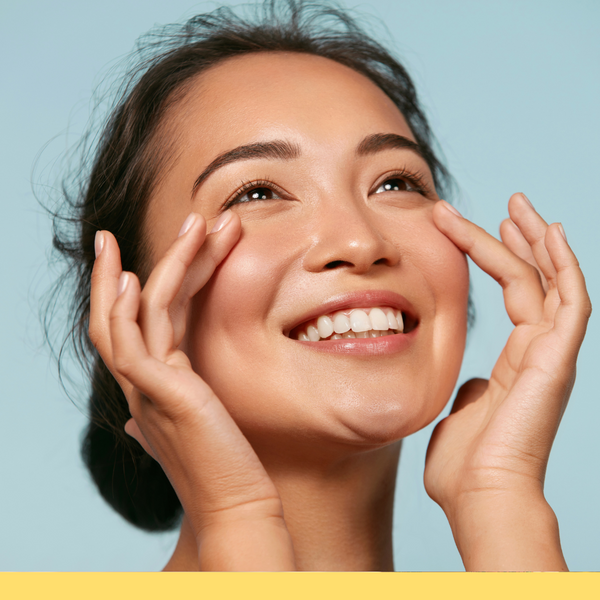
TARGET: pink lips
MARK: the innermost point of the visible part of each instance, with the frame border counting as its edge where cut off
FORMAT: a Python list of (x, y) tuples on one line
[(364, 299), (388, 344)]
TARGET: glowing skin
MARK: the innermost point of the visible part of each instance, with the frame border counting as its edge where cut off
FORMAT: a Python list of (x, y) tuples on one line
[(280, 268), (303, 475)]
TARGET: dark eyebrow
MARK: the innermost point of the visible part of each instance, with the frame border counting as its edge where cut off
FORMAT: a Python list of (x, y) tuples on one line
[(283, 150), (387, 141), (278, 149)]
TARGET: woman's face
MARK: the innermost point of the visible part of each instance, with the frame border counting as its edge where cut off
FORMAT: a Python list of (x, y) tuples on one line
[(336, 212)]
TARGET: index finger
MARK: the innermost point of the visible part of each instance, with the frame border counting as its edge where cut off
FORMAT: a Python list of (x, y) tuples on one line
[(523, 292)]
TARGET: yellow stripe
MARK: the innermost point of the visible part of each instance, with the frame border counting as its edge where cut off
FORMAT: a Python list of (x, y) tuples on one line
[(299, 586)]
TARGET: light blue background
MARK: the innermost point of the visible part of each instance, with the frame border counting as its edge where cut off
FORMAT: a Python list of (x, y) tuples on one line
[(512, 90)]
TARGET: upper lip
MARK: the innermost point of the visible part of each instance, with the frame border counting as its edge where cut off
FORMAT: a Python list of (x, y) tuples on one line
[(349, 300)]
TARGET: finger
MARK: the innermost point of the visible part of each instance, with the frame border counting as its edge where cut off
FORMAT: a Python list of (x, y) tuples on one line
[(132, 429), (103, 293), (216, 247), (180, 274), (575, 307), (164, 283), (520, 281), (131, 359), (533, 228), (186, 426), (513, 239), (157, 382)]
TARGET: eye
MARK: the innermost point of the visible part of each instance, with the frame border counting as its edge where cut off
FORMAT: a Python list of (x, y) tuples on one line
[(258, 193), (395, 184), (253, 191), (404, 181)]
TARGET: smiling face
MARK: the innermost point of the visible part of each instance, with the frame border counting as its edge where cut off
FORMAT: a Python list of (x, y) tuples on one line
[(336, 209)]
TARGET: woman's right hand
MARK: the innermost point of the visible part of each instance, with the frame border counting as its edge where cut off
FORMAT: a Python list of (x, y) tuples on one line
[(229, 500)]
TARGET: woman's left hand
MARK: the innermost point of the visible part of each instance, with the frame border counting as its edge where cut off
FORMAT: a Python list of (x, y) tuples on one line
[(486, 461)]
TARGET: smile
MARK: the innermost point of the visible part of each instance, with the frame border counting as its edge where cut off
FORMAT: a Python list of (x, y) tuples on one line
[(350, 324)]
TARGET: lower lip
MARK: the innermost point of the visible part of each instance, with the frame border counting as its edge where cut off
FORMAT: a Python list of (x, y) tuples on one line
[(388, 344)]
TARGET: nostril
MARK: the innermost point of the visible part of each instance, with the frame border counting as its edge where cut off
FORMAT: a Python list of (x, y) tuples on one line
[(334, 264)]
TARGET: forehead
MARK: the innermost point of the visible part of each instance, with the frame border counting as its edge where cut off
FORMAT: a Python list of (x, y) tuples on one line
[(320, 106), (308, 99)]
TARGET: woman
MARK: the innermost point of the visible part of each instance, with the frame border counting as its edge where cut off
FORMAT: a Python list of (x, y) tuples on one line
[(245, 363)]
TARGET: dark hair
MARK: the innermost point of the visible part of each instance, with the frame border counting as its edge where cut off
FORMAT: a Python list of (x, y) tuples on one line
[(110, 188)]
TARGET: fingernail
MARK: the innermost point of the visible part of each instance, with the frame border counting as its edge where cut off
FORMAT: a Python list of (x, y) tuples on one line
[(451, 208), (527, 199), (98, 243), (123, 281), (562, 231), (187, 224), (221, 221)]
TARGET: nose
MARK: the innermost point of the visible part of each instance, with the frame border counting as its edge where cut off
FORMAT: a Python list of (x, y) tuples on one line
[(348, 235)]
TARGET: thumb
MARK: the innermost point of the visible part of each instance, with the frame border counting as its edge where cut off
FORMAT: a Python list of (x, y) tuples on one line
[(469, 392)]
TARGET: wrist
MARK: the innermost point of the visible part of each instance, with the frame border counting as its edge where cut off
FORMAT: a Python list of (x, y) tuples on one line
[(507, 532), (246, 539), (246, 546)]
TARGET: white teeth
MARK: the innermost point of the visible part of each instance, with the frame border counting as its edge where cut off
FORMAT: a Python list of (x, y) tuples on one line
[(356, 324), (360, 321), (341, 323), (325, 326), (379, 320), (313, 333), (391, 317), (400, 321)]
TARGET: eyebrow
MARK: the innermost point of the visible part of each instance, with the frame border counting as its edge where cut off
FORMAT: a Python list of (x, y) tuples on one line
[(283, 150), (277, 149), (378, 142)]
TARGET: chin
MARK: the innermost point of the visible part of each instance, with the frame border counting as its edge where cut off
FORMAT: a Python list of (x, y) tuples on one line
[(378, 422)]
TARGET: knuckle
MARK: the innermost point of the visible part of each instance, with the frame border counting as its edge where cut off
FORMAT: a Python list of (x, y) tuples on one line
[(114, 319), (182, 261), (175, 261), (123, 364), (151, 301), (539, 238), (526, 272), (468, 244), (213, 261)]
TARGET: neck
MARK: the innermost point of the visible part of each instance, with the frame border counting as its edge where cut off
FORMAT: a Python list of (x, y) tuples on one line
[(339, 516)]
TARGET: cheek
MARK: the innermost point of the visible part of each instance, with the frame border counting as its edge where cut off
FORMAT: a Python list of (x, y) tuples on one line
[(449, 277), (441, 265), (233, 350), (443, 271), (228, 315)]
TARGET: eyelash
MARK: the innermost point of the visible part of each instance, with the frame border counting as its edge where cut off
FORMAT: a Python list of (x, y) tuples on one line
[(249, 186), (416, 180)]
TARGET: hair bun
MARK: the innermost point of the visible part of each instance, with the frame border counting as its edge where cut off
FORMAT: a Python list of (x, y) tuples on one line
[(130, 480)]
